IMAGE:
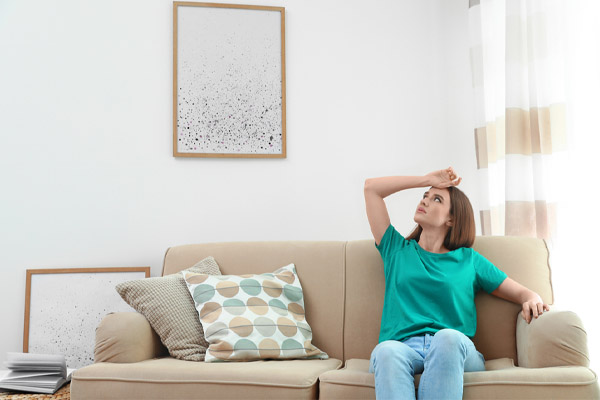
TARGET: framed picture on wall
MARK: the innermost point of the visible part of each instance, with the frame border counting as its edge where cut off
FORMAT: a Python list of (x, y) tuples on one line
[(63, 307), (228, 80)]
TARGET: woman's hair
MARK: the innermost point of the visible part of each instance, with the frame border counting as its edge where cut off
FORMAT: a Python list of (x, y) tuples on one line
[(462, 231)]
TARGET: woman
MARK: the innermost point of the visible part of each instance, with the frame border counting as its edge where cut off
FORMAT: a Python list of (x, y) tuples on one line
[(431, 279)]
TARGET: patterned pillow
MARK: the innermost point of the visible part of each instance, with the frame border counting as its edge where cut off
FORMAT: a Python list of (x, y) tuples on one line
[(251, 317), (168, 307)]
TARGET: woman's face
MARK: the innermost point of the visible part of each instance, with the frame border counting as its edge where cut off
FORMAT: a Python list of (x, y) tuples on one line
[(433, 210)]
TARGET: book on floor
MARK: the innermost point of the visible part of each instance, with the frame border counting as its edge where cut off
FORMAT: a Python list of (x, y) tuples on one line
[(38, 373)]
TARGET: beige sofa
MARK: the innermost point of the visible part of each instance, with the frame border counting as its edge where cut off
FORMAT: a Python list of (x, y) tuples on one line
[(343, 290)]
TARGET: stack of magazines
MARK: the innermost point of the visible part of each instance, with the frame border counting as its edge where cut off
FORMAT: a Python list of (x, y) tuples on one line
[(38, 373)]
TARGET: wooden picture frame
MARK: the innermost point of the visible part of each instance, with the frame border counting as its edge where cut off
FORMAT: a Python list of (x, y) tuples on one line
[(228, 80), (64, 306)]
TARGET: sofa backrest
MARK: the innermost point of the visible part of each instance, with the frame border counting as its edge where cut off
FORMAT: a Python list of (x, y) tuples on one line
[(320, 268), (343, 286)]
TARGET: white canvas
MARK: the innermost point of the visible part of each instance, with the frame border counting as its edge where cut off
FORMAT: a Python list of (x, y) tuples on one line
[(229, 81)]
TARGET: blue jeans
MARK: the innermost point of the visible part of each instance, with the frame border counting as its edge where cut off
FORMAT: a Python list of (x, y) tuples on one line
[(441, 358)]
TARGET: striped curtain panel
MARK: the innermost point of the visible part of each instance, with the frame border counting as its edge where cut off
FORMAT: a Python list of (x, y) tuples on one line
[(518, 71)]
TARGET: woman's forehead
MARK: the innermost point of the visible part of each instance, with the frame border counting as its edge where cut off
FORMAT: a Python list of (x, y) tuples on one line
[(442, 192)]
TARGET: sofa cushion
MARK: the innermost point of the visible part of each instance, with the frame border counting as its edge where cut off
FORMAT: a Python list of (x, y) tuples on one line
[(250, 317), (168, 307), (169, 378), (500, 380)]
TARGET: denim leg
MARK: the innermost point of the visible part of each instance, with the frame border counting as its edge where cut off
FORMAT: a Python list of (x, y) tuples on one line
[(394, 365), (451, 354)]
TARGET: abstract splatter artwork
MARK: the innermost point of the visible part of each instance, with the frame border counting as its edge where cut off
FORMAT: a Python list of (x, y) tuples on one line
[(65, 308), (228, 81)]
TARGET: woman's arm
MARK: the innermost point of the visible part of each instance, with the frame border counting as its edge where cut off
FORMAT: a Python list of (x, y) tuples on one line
[(376, 189), (531, 302)]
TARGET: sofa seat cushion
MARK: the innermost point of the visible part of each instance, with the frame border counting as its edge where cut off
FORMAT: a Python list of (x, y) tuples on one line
[(500, 380), (170, 378)]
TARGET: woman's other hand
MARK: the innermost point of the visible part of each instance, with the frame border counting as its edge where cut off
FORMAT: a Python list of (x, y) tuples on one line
[(444, 178), (534, 307), (531, 302)]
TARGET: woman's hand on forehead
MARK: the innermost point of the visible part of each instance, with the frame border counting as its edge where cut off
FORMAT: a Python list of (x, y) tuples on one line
[(444, 178)]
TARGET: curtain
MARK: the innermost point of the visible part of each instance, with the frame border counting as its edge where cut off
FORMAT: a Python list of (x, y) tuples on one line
[(518, 74)]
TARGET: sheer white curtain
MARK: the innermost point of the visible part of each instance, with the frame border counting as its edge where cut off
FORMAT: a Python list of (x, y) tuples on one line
[(518, 66), (536, 82)]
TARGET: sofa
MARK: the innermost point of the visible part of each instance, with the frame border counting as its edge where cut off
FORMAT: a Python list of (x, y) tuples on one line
[(343, 287)]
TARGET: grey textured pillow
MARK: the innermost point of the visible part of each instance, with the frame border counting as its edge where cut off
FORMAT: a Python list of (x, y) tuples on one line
[(169, 308)]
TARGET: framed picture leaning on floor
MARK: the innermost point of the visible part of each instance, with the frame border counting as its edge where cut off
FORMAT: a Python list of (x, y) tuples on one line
[(63, 307)]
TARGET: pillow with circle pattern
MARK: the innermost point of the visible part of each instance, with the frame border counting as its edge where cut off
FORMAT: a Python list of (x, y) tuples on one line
[(252, 317)]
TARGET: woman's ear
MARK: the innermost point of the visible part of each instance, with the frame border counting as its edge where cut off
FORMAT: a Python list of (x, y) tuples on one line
[(450, 222)]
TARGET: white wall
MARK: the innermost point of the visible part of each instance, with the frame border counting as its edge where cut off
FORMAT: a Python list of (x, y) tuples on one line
[(88, 177)]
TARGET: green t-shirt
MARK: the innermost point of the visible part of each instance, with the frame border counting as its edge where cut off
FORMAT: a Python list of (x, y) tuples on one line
[(426, 292)]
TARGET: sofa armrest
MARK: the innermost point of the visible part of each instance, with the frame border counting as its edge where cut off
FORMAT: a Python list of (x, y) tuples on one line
[(556, 338), (126, 337)]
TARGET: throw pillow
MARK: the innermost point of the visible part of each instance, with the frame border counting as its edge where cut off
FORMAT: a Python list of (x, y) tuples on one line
[(251, 317), (168, 307)]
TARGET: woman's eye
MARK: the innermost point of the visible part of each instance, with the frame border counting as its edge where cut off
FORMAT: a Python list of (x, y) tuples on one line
[(437, 198)]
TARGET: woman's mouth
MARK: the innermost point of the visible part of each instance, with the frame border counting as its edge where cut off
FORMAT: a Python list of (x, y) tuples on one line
[(421, 209)]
